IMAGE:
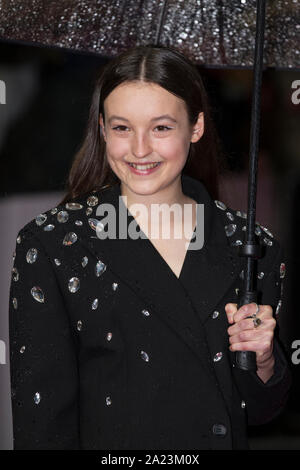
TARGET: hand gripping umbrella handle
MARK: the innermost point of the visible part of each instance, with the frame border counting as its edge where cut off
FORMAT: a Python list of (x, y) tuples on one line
[(246, 360)]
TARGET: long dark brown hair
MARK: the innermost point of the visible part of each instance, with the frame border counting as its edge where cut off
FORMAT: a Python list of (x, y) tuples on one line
[(171, 70)]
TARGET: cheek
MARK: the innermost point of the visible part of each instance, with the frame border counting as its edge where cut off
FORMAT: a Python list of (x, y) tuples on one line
[(116, 148), (173, 149)]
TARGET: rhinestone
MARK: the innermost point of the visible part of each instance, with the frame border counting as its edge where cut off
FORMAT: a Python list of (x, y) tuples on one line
[(241, 214), (268, 242), (258, 230), (14, 256), (22, 349), (79, 325), (215, 314), (54, 210), (242, 274), (37, 294), (89, 211), (31, 255), (260, 275), (237, 291), (282, 270), (237, 243), (40, 219), (218, 356), (84, 261), (278, 307), (109, 336), (15, 274), (100, 268), (230, 229), (265, 229), (145, 356), (73, 206), (243, 404), (57, 262), (74, 284), (220, 205), (15, 303), (78, 222), (145, 312), (92, 201), (95, 304), (114, 286), (37, 398), (62, 216), (230, 216), (49, 227), (108, 401), (19, 239), (96, 224), (244, 228), (70, 238)]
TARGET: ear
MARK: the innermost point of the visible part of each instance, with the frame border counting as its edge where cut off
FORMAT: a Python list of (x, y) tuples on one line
[(101, 123), (198, 128)]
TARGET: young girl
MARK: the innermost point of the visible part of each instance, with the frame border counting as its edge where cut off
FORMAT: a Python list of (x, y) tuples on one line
[(124, 324)]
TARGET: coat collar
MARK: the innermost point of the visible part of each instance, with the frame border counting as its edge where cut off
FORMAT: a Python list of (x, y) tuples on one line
[(139, 265)]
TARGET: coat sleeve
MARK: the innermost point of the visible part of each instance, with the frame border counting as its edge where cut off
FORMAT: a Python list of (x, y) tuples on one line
[(43, 359), (265, 401)]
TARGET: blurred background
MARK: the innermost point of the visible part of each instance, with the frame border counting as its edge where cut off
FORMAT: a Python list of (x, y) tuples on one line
[(43, 114)]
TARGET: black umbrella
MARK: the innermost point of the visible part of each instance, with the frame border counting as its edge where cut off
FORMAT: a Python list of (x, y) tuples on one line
[(214, 33)]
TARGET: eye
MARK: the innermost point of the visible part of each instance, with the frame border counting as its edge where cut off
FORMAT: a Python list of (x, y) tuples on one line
[(120, 128), (165, 128)]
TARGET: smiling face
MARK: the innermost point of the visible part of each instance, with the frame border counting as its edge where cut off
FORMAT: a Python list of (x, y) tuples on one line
[(144, 123)]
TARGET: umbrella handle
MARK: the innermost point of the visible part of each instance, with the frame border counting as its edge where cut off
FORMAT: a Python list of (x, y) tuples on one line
[(246, 360)]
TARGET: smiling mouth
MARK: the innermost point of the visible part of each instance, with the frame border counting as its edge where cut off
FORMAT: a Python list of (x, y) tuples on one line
[(144, 166)]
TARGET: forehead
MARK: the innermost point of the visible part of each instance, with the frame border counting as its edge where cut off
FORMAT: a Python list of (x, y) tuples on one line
[(147, 99)]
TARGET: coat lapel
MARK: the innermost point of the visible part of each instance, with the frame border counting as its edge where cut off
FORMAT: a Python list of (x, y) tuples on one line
[(137, 262)]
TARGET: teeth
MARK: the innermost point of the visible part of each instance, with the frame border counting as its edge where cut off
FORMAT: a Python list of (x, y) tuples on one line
[(144, 167)]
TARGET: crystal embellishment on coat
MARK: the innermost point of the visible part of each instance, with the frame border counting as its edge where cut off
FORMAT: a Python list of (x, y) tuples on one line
[(89, 211), (15, 274), (15, 303), (84, 261), (74, 284), (37, 294), (230, 229), (243, 404), (237, 243), (54, 210), (92, 201), (260, 275), (19, 239), (49, 227), (62, 216), (230, 216), (241, 214), (108, 401), (73, 206), (145, 312), (114, 286), (109, 336), (37, 398), (79, 325), (70, 238), (31, 255), (78, 222), (282, 270), (215, 314), (100, 268), (40, 219), (95, 304), (57, 262), (265, 229), (220, 205), (278, 307), (267, 241), (22, 349), (145, 356), (95, 224), (218, 356)]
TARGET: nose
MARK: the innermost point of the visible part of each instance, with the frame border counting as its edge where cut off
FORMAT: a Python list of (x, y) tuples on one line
[(141, 146)]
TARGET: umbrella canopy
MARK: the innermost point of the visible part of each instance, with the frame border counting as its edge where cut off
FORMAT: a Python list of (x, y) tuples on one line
[(214, 33)]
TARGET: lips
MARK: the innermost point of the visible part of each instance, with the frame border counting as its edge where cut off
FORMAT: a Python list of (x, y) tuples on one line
[(143, 166)]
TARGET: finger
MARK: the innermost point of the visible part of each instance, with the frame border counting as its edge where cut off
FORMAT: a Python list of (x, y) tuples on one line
[(247, 310), (247, 324), (230, 310), (249, 335), (255, 346)]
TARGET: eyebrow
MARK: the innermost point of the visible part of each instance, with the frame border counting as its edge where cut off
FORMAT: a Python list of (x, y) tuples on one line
[(164, 116)]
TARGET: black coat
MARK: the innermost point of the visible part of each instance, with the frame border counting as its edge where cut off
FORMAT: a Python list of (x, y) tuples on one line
[(139, 371)]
